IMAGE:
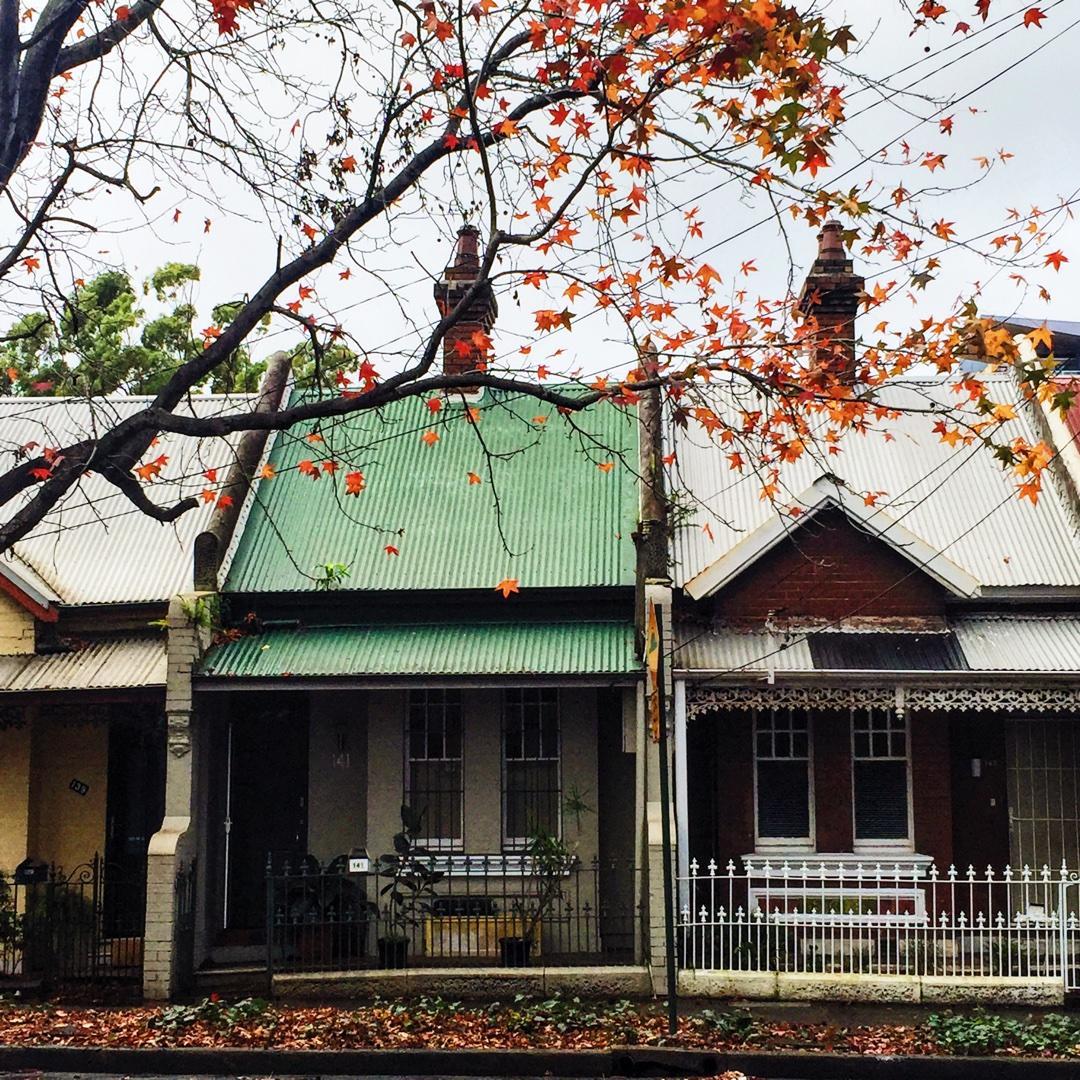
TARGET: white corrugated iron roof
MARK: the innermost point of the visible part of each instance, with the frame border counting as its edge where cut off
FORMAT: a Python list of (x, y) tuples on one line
[(1040, 644), (1044, 643), (113, 663), (96, 548), (958, 501), (734, 651)]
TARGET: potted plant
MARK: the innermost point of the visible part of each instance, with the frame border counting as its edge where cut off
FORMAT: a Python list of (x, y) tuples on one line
[(550, 860), (409, 891)]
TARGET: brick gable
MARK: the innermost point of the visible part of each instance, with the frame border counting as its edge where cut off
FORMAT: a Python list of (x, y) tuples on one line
[(828, 569)]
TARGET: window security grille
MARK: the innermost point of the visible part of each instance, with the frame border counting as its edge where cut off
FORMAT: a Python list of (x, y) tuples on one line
[(434, 778), (532, 792)]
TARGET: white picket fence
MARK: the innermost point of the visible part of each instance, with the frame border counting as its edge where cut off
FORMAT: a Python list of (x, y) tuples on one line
[(865, 918)]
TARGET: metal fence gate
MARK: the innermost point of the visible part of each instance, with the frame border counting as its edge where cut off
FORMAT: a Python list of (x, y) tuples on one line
[(73, 931), (184, 927)]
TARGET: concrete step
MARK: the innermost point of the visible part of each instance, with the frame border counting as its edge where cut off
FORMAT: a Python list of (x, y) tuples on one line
[(245, 980)]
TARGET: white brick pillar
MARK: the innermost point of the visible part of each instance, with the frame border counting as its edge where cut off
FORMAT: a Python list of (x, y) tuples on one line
[(173, 845)]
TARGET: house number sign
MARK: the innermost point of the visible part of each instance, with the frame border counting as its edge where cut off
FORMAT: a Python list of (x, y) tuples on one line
[(80, 787)]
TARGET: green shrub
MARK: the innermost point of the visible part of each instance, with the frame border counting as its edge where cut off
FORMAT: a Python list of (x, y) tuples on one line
[(214, 1012), (980, 1032), (732, 1025), (565, 1014)]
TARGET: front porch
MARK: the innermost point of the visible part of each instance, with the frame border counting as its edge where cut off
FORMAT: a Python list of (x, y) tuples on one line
[(911, 843), (304, 790)]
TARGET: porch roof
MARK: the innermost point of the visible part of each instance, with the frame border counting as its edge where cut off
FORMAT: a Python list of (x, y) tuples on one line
[(113, 663), (458, 650), (1003, 643)]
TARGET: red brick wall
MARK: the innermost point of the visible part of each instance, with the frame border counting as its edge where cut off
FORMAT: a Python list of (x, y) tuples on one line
[(721, 768), (828, 569), (833, 820), (931, 787)]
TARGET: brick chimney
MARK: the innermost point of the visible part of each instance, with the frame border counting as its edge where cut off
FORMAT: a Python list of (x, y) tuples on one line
[(460, 352), (830, 297)]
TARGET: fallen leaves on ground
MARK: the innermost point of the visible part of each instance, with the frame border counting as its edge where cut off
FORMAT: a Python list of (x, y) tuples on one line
[(446, 1026)]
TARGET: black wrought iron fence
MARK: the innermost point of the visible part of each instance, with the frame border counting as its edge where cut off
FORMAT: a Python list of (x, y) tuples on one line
[(184, 931), (77, 929), (478, 910)]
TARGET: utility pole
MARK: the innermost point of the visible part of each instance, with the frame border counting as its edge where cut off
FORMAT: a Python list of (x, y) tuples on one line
[(665, 839)]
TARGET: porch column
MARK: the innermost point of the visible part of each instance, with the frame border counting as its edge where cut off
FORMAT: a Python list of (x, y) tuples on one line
[(173, 844), (682, 802)]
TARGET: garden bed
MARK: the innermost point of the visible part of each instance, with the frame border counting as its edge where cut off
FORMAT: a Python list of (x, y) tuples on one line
[(555, 1023)]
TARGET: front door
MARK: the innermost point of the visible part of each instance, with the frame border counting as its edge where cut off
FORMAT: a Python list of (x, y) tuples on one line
[(979, 800), (266, 803), (134, 806)]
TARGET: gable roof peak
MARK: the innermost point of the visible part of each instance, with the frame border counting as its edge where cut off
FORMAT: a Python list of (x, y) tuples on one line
[(829, 490)]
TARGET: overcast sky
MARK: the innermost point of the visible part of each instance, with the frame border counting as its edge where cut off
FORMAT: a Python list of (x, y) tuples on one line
[(1026, 102)]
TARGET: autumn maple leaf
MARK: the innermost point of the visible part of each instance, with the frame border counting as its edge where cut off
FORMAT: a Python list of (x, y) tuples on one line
[(354, 483), (1034, 17), (151, 469), (309, 468), (605, 466), (473, 478), (267, 472), (507, 586), (1055, 259), (429, 437), (348, 164), (391, 550)]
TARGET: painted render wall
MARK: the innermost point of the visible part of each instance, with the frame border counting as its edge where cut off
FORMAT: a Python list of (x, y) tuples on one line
[(14, 795), (67, 828), (337, 773), (482, 768)]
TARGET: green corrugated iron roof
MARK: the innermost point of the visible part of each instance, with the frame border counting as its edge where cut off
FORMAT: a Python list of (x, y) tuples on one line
[(465, 649), (547, 515)]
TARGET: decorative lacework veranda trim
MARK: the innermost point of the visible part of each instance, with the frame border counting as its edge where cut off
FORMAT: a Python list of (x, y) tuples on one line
[(931, 699)]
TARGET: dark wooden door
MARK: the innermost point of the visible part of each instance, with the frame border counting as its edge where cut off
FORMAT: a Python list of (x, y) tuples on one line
[(267, 805), (134, 807), (980, 808)]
